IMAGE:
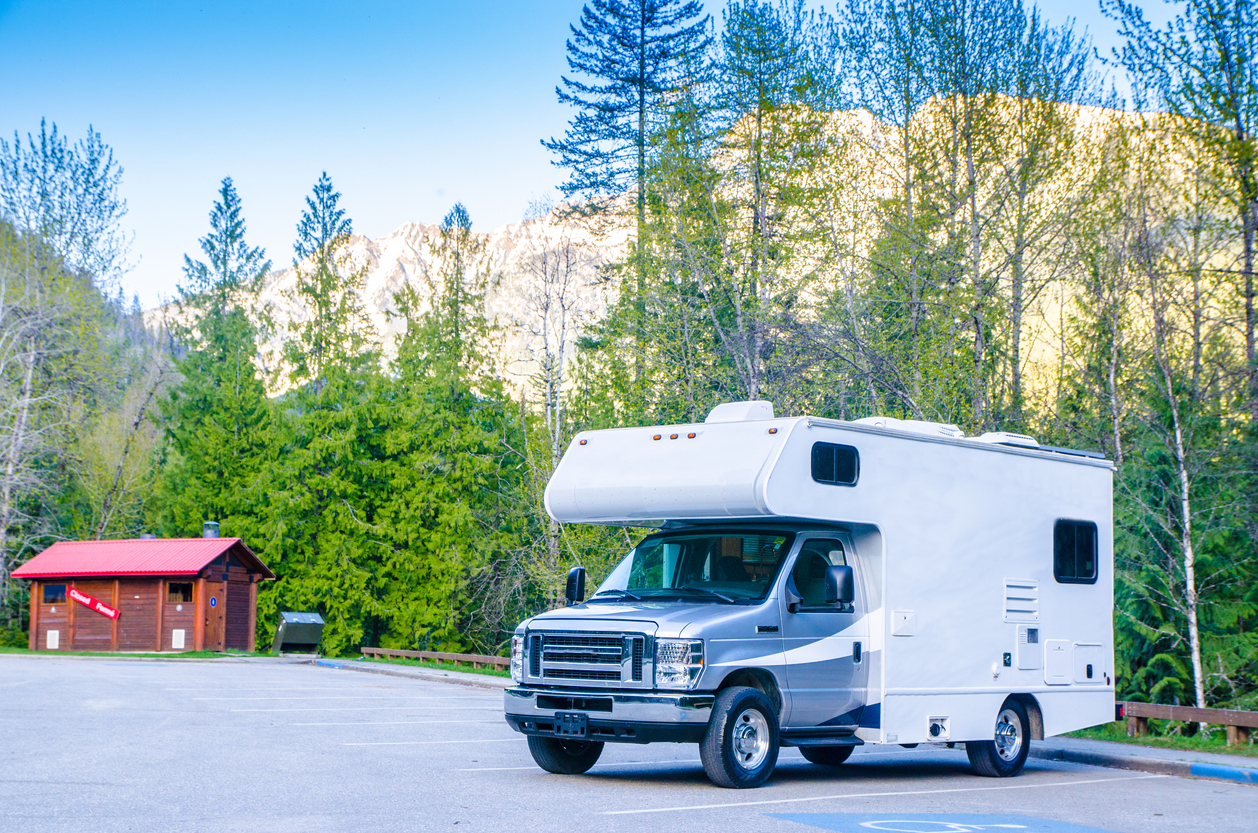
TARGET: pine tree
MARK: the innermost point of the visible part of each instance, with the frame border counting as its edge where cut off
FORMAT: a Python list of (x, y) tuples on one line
[(335, 331), (232, 264), (217, 420)]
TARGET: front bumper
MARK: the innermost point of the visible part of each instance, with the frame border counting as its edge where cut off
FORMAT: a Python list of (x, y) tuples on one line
[(614, 716)]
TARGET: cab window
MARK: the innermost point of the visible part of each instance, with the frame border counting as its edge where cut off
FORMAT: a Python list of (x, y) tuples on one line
[(809, 573)]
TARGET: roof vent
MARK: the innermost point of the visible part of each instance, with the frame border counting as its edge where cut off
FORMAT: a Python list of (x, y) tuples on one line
[(913, 426), (209, 529), (1009, 438), (741, 411), (148, 536)]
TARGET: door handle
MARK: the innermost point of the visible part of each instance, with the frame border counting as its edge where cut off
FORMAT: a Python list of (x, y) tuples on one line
[(856, 652)]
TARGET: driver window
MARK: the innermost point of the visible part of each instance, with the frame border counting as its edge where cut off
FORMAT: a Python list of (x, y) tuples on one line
[(809, 573)]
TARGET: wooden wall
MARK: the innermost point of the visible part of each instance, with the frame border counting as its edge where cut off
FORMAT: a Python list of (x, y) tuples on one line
[(147, 619)]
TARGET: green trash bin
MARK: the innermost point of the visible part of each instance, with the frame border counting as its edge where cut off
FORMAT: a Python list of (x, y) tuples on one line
[(298, 633)]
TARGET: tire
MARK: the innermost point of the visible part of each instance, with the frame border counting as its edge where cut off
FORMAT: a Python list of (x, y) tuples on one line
[(826, 755), (564, 757), (740, 748), (1004, 756)]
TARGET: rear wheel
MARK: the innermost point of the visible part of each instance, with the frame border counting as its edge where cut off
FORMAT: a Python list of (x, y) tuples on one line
[(740, 748), (826, 755), (1003, 756), (564, 757)]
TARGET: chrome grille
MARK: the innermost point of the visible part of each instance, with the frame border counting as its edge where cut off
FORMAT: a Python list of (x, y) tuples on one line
[(598, 659)]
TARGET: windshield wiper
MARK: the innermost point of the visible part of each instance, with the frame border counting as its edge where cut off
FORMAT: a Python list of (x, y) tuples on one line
[(720, 596), (625, 593)]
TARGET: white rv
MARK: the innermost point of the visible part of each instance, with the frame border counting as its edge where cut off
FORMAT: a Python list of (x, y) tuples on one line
[(824, 584)]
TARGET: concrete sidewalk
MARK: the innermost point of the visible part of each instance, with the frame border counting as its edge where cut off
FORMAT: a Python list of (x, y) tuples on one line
[(1187, 764)]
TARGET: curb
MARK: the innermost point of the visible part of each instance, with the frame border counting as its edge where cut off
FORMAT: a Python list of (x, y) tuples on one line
[(1157, 766), (427, 676)]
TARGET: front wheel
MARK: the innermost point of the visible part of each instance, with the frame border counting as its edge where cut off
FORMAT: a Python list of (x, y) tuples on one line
[(564, 757), (826, 755), (1003, 756), (740, 748)]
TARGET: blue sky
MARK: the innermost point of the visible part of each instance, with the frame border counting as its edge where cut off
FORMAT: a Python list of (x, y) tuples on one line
[(409, 106)]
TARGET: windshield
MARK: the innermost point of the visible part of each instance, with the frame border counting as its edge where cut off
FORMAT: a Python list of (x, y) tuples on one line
[(709, 566)]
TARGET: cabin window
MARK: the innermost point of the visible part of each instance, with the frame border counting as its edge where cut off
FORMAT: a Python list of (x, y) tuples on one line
[(54, 594), (809, 573), (178, 592), (838, 465), (1074, 552)]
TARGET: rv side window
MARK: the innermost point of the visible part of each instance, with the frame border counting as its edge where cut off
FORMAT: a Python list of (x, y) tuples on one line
[(1074, 552), (838, 465)]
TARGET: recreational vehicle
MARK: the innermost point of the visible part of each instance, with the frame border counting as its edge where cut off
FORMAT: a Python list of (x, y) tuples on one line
[(824, 584)]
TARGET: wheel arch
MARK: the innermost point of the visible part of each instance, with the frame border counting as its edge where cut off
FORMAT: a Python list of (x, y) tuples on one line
[(1033, 713), (757, 678)]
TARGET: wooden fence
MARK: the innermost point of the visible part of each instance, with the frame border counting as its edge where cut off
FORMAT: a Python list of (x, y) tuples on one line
[(475, 660), (1238, 723)]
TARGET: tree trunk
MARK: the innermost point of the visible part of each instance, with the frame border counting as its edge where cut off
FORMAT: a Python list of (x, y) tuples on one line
[(10, 469)]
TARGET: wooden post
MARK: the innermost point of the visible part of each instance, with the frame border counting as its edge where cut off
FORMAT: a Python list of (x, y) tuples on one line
[(1137, 726), (70, 618), (113, 625), (198, 623), (33, 641), (1237, 735), (253, 614), (161, 615)]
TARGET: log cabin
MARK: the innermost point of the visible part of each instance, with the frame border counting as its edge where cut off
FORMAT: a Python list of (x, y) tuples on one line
[(144, 594)]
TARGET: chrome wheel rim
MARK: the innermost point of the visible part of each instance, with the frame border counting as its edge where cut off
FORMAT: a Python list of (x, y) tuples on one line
[(750, 739), (1008, 735)]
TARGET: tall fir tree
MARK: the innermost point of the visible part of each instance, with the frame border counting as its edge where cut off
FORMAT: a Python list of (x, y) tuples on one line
[(629, 58), (335, 330), (217, 419)]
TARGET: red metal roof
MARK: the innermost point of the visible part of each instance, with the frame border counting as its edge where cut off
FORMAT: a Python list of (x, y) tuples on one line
[(136, 557)]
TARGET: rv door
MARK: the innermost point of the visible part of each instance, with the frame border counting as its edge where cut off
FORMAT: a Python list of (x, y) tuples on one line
[(825, 663)]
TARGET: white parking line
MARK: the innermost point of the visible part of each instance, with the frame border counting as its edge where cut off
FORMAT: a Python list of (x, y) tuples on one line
[(333, 697), (853, 759), (382, 709), (418, 742), (401, 723), (875, 795)]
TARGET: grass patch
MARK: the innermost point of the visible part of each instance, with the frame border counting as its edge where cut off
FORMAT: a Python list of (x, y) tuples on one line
[(1159, 737), (437, 666), (131, 655)]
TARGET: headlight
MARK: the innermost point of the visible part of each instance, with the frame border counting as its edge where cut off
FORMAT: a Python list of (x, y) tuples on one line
[(517, 658), (678, 662)]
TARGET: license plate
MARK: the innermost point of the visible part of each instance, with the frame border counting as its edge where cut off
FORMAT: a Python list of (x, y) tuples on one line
[(572, 724)]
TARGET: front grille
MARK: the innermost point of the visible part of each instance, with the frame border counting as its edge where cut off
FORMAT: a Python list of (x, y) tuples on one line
[(599, 659), (572, 674)]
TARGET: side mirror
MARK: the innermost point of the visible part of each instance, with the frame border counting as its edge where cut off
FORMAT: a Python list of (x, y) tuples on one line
[(574, 593), (840, 585)]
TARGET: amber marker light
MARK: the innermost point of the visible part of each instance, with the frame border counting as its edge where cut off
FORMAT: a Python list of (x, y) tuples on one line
[(656, 437), (583, 442), (690, 436), (672, 436), (773, 430)]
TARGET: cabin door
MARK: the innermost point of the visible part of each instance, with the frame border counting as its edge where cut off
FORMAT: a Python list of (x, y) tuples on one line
[(825, 668)]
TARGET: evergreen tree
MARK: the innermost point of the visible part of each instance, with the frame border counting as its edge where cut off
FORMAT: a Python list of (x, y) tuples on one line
[(217, 419), (232, 264), (335, 331)]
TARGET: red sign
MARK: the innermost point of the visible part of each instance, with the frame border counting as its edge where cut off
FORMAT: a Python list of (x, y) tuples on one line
[(87, 601)]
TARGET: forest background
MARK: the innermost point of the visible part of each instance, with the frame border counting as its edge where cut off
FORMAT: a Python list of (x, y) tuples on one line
[(930, 209)]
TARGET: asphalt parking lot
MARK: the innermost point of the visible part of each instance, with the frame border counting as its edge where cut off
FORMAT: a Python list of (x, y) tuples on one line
[(129, 745)]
